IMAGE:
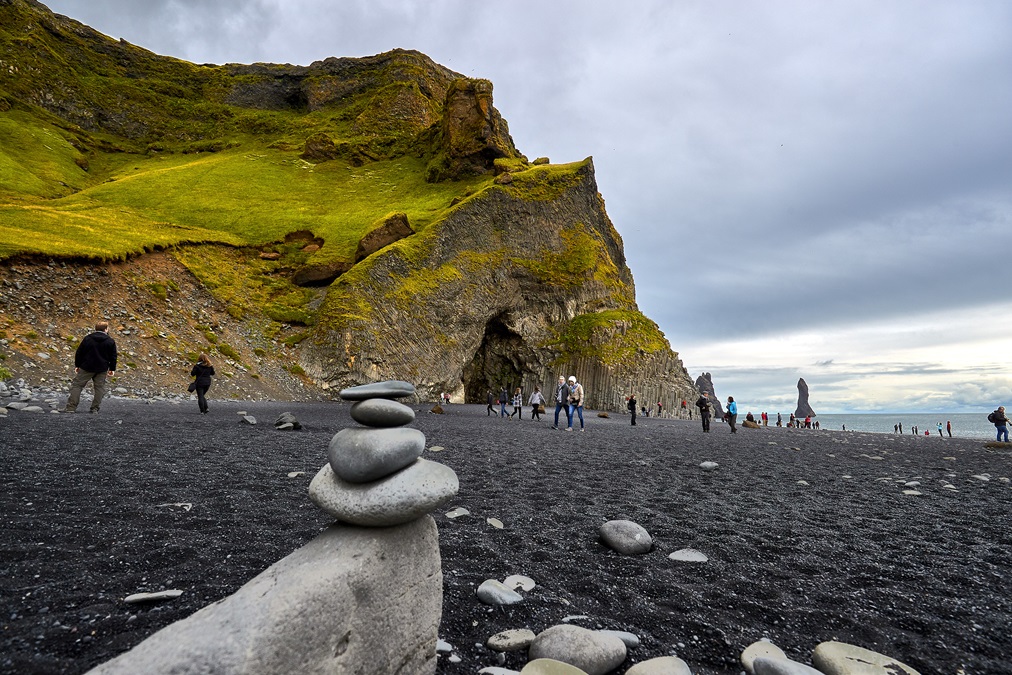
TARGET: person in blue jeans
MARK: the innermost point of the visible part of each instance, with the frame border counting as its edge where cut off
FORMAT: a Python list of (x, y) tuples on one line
[(732, 414), (575, 402), (562, 402), (1001, 424)]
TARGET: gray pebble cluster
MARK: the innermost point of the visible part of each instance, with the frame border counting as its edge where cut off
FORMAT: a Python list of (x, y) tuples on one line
[(376, 476), (571, 650)]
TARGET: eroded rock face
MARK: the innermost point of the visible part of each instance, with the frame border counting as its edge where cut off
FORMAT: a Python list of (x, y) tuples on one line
[(472, 133), (487, 296), (804, 410)]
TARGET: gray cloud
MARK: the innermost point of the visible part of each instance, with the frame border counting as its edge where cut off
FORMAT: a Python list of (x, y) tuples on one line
[(783, 166)]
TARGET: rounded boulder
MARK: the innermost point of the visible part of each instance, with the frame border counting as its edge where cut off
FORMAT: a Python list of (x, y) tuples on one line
[(626, 537), (399, 498), (381, 412), (593, 652), (364, 455)]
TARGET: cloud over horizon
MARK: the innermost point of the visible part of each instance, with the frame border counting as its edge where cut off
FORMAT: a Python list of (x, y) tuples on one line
[(782, 173)]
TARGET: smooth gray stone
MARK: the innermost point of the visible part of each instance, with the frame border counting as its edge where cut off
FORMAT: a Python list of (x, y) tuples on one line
[(33, 409), (662, 665), (768, 665), (708, 466), (494, 592), (626, 537), (381, 412), (388, 389), (548, 667), (248, 419), (760, 649), (400, 498), (287, 426), (840, 658), (287, 418), (593, 652), (326, 608), (511, 640), (17, 405), (631, 640), (362, 455)]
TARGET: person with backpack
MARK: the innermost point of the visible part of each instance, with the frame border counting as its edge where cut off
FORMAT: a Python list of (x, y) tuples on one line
[(576, 396), (632, 408), (562, 401), (998, 419)]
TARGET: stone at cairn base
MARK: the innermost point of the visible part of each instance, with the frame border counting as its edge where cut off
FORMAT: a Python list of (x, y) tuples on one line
[(353, 600)]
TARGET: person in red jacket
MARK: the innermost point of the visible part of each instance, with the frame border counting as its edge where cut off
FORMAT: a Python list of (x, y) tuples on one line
[(94, 361)]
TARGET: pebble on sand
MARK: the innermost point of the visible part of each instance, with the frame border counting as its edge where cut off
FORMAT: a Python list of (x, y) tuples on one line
[(709, 466), (495, 592), (688, 555), (152, 597)]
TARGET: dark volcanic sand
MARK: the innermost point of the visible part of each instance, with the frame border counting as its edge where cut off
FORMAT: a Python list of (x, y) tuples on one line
[(924, 579)]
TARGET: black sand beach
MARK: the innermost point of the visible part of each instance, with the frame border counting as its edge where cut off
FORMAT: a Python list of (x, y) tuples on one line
[(94, 509)]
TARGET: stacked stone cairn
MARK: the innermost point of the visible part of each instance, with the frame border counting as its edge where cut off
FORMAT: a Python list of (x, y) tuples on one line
[(376, 476)]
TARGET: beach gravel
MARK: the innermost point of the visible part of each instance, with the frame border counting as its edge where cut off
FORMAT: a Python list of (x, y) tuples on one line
[(809, 536)]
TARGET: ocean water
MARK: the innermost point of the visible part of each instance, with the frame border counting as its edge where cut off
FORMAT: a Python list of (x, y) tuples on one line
[(964, 425)]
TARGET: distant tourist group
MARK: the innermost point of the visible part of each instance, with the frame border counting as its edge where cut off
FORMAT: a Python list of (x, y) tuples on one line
[(569, 396)]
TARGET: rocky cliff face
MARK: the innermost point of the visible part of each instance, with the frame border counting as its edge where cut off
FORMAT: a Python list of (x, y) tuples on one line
[(522, 282)]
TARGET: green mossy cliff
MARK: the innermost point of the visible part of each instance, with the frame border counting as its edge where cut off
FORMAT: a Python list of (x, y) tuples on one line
[(371, 216)]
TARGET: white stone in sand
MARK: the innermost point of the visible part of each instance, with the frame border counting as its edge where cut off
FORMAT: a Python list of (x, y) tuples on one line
[(511, 640), (494, 592), (765, 665), (550, 667), (457, 513), (840, 658), (516, 581), (689, 555), (631, 640), (913, 493), (152, 597), (983, 477), (436, 448), (709, 466), (594, 652), (758, 649), (495, 522), (662, 665)]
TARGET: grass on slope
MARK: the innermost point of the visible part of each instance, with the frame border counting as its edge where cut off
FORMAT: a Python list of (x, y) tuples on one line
[(250, 195)]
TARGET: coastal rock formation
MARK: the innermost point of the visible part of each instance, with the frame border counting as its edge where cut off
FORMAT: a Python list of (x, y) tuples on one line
[(804, 410), (393, 228), (705, 383), (467, 305)]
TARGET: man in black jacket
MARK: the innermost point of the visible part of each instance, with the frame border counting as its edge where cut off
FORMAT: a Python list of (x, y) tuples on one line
[(94, 360), (705, 409)]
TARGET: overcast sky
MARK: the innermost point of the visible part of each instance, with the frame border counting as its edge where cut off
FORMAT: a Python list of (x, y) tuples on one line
[(805, 189)]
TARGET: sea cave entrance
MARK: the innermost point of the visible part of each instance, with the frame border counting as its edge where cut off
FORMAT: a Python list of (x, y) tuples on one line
[(503, 360)]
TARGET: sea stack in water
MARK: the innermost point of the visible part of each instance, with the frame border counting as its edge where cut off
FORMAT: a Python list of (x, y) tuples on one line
[(804, 410), (376, 476)]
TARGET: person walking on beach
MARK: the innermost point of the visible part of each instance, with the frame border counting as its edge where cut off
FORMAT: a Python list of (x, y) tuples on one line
[(948, 427), (518, 404), (203, 371), (780, 420), (94, 361), (537, 400), (703, 403), (575, 401), (659, 408), (1000, 421), (491, 400), (732, 414), (901, 427), (632, 408), (562, 401), (940, 430), (503, 398)]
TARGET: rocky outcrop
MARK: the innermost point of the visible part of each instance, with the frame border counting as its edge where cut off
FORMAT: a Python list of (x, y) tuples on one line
[(394, 228), (507, 290), (320, 274), (705, 383), (472, 133), (804, 410), (353, 600)]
